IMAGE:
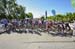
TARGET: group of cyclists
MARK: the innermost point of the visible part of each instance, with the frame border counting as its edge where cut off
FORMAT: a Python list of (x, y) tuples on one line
[(39, 24)]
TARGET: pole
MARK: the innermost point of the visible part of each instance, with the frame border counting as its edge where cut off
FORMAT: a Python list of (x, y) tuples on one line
[(46, 14)]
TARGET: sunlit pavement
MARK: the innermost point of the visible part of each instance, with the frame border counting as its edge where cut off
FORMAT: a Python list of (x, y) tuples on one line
[(33, 41)]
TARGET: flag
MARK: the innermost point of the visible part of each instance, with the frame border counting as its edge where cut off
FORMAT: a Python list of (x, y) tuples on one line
[(73, 3)]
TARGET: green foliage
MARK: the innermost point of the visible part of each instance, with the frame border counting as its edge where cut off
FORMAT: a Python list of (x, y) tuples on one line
[(10, 9), (69, 17), (29, 15)]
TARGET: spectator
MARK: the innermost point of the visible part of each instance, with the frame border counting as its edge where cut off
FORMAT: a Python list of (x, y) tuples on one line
[(5, 22)]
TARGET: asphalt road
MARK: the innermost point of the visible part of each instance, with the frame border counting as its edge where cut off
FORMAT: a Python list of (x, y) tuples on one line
[(39, 45), (29, 41)]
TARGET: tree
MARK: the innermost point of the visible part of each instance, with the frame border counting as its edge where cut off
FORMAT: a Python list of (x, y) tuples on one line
[(69, 16), (11, 9), (59, 17), (29, 15), (2, 9), (74, 16), (21, 12), (43, 17)]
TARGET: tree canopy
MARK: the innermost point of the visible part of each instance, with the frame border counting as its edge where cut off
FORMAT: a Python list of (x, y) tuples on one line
[(10, 9), (66, 17)]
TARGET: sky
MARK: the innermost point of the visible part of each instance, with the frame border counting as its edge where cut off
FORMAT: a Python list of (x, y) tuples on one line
[(38, 7)]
